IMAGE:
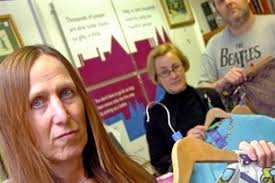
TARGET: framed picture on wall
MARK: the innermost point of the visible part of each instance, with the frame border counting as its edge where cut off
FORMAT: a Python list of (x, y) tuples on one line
[(9, 36), (177, 12)]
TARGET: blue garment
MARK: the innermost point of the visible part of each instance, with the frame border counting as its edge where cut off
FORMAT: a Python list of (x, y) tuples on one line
[(238, 128)]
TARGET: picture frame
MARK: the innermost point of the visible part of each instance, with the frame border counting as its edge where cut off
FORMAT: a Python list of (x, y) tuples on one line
[(177, 12), (10, 39)]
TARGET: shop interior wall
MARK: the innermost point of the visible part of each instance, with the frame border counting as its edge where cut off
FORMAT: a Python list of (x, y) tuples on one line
[(36, 24)]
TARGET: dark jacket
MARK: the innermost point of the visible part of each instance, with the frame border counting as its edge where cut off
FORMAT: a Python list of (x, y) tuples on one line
[(187, 109)]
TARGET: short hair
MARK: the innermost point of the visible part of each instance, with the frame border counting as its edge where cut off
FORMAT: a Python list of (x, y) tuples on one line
[(160, 51)]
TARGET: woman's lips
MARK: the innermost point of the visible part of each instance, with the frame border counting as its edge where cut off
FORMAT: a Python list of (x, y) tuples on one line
[(66, 134)]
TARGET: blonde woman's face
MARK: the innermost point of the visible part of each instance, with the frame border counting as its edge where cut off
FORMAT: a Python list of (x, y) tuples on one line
[(57, 111), (170, 73)]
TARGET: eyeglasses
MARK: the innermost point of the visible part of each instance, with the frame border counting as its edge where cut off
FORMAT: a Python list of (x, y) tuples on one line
[(176, 68)]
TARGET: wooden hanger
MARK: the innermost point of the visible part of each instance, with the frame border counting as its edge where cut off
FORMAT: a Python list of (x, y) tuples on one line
[(242, 109), (254, 68), (214, 113), (188, 150)]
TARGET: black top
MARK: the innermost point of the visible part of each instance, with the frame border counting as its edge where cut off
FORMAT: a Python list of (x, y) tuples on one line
[(187, 109)]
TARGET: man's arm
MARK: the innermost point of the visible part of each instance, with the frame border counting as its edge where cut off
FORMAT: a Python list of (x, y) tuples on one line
[(234, 76), (217, 85), (209, 70)]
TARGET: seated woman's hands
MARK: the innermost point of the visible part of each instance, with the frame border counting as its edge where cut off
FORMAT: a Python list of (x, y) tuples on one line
[(261, 151), (197, 132)]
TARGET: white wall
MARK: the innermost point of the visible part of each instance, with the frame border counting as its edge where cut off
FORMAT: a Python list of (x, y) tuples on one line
[(23, 18), (50, 26)]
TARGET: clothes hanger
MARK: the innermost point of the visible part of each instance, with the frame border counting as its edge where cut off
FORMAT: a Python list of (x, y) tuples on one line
[(214, 113), (244, 106), (242, 109), (188, 150), (253, 68)]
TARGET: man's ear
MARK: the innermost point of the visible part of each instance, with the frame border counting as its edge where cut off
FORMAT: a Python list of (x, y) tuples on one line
[(217, 13), (212, 3)]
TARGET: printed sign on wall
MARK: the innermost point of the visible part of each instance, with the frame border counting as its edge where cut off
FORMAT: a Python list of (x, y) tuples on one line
[(114, 39)]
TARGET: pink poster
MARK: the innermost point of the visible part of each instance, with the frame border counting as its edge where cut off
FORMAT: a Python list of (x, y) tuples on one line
[(120, 86), (128, 88), (113, 41), (122, 100)]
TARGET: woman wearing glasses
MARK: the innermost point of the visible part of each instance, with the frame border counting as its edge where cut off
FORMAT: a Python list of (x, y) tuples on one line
[(187, 106)]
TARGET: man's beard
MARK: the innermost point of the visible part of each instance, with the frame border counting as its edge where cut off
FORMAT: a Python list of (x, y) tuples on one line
[(239, 20)]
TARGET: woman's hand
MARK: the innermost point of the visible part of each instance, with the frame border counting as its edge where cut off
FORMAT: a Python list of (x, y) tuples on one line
[(261, 151), (197, 132)]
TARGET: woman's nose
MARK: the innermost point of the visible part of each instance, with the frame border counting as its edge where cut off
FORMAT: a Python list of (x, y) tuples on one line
[(59, 111), (173, 74)]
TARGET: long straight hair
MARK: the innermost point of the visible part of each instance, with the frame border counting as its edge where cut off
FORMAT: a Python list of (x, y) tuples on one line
[(24, 162)]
